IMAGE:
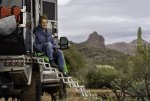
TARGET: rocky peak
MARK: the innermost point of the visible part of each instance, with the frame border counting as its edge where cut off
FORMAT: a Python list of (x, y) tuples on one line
[(95, 40)]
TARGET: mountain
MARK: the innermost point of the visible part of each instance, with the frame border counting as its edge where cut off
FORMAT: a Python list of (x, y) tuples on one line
[(95, 41), (89, 54), (95, 52), (127, 48), (119, 46), (122, 47)]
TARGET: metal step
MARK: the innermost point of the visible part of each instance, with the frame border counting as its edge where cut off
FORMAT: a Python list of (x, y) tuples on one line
[(51, 75)]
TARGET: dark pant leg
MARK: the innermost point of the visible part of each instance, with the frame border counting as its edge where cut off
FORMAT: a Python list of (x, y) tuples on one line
[(58, 55)]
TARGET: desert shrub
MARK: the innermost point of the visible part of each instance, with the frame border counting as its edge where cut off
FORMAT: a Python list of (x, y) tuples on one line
[(101, 76)]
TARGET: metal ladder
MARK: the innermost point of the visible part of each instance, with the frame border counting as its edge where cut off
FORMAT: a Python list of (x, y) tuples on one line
[(53, 74)]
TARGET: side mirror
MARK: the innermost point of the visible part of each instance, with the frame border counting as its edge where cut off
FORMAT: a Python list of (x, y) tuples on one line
[(64, 44)]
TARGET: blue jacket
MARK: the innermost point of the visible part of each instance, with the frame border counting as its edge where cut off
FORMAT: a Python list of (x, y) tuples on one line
[(41, 38)]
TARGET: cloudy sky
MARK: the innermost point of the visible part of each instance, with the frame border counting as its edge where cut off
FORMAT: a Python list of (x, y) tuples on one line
[(116, 20)]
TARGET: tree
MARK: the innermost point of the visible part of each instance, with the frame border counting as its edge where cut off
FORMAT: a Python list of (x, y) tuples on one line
[(137, 84), (119, 87), (141, 69)]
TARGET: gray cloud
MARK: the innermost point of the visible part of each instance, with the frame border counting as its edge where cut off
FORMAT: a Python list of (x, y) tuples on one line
[(114, 19)]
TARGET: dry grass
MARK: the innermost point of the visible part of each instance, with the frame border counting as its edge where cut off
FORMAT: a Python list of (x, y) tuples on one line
[(73, 96), (46, 97)]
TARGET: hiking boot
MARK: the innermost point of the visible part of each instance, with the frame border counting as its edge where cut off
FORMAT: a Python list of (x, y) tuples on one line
[(52, 63), (64, 73)]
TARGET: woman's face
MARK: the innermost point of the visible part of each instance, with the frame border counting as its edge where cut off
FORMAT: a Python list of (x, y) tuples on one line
[(44, 23)]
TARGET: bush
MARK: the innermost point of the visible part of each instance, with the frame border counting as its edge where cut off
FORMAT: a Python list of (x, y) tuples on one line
[(101, 76), (74, 60)]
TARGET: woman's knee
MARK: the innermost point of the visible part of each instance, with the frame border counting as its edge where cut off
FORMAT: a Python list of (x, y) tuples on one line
[(59, 52), (49, 44)]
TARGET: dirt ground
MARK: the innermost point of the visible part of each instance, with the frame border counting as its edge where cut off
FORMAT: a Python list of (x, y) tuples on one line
[(73, 96)]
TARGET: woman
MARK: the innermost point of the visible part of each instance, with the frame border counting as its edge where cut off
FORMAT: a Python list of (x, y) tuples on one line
[(44, 43)]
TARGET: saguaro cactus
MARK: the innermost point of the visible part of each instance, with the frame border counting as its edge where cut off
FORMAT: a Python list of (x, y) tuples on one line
[(139, 40)]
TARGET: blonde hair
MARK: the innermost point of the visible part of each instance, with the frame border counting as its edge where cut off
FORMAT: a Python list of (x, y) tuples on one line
[(42, 17)]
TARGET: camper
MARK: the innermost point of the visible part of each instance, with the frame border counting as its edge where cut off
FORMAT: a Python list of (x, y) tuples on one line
[(23, 75)]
